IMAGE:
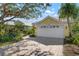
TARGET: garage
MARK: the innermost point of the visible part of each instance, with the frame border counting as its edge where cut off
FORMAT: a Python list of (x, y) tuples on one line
[(50, 31), (49, 27)]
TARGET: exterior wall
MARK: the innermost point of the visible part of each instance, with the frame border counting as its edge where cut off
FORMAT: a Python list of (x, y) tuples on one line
[(66, 30), (50, 32)]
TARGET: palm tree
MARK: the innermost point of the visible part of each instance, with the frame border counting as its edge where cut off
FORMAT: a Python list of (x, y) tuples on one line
[(68, 11)]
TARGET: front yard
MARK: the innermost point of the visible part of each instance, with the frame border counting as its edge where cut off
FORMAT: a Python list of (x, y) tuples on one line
[(33, 47), (26, 48), (38, 48)]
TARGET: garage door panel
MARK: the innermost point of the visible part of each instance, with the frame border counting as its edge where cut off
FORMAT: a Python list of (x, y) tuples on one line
[(54, 32)]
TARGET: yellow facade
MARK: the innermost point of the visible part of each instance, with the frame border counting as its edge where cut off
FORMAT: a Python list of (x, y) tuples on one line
[(66, 30), (50, 20)]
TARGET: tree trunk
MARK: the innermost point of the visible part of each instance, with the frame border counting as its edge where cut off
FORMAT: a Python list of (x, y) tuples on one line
[(69, 26)]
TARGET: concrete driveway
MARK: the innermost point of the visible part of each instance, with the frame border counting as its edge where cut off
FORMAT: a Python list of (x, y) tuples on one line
[(54, 44), (49, 41)]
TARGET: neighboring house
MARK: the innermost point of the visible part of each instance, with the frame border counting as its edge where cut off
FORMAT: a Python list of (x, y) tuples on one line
[(51, 27)]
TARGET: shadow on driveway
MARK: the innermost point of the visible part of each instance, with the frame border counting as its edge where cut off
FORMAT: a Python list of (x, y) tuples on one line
[(48, 41), (2, 52)]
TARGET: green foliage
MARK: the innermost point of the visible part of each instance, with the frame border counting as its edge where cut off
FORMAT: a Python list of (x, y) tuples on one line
[(75, 31), (11, 37), (19, 25), (21, 10), (10, 33), (75, 27), (15, 32), (75, 39), (18, 36), (68, 10), (6, 38), (30, 32)]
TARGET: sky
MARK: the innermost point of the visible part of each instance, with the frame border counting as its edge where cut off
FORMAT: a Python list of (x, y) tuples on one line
[(51, 11)]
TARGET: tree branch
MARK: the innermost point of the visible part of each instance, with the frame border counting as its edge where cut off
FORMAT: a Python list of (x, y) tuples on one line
[(14, 16), (9, 19)]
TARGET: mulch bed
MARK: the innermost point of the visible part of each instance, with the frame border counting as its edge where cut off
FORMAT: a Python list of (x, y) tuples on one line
[(70, 49)]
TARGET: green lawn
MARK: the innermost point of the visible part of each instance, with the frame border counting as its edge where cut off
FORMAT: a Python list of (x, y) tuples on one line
[(5, 44)]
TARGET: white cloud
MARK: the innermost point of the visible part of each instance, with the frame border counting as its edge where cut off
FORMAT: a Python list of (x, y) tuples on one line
[(52, 13), (49, 12)]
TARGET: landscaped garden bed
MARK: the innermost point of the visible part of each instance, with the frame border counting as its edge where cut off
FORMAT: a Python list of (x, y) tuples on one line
[(70, 49)]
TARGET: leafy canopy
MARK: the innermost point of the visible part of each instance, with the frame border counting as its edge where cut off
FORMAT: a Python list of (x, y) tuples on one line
[(68, 10), (21, 10)]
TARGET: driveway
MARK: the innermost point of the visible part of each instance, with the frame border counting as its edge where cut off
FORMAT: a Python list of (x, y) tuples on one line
[(26, 46), (48, 41), (54, 44)]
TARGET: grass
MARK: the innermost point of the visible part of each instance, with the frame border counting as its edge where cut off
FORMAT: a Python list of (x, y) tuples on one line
[(5, 44)]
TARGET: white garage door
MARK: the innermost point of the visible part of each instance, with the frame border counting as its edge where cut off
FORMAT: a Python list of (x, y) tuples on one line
[(57, 32)]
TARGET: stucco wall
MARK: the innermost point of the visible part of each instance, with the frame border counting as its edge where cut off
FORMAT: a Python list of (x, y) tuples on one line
[(50, 32), (66, 30)]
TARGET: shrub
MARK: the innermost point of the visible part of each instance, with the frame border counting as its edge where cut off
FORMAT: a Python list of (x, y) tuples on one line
[(75, 39), (14, 32), (18, 37), (11, 37), (6, 38), (10, 33), (31, 32), (32, 35)]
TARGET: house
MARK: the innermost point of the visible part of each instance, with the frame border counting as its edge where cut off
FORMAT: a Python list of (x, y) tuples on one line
[(51, 27)]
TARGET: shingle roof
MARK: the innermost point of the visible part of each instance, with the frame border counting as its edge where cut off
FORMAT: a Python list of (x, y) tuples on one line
[(48, 17)]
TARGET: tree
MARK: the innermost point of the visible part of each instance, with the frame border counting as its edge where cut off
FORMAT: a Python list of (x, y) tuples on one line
[(19, 25), (68, 11), (21, 10)]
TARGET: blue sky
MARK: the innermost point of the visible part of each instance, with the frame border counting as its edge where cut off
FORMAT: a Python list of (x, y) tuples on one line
[(51, 11)]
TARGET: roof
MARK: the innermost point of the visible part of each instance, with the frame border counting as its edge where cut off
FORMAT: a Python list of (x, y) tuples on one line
[(48, 17)]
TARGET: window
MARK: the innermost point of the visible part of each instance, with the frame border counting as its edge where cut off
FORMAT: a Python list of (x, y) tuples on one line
[(53, 26), (43, 26), (57, 26), (50, 26)]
